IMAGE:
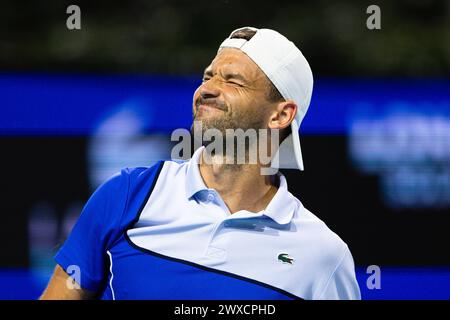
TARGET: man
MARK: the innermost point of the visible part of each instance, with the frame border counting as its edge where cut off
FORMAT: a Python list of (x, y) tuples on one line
[(205, 228)]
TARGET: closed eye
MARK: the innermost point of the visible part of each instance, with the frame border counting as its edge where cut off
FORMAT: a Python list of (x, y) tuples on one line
[(235, 83)]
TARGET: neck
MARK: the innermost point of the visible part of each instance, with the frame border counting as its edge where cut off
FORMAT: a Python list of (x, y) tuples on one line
[(242, 187)]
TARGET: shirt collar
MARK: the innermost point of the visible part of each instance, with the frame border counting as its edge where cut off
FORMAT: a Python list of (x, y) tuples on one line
[(280, 209), (283, 205)]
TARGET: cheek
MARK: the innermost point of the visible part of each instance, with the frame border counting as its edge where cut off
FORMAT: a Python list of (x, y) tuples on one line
[(239, 98), (242, 100), (253, 108)]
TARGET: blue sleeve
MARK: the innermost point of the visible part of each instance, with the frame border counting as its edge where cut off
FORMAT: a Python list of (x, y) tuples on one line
[(87, 245)]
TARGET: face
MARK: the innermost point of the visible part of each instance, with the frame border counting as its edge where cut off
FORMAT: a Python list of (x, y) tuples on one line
[(233, 94)]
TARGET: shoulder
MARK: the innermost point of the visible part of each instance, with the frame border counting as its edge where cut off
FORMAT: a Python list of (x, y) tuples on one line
[(138, 183), (129, 184), (327, 248), (139, 174), (163, 167), (320, 228), (139, 177), (162, 175), (327, 258)]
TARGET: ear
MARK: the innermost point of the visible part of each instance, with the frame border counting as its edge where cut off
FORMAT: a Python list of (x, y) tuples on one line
[(283, 115)]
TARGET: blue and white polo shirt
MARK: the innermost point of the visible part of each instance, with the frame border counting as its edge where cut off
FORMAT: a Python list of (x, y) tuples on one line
[(160, 233)]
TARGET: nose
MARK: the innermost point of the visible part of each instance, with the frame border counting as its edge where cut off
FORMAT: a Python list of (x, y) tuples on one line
[(209, 91)]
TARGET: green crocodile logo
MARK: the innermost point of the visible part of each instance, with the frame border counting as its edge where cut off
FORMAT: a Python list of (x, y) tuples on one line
[(285, 258)]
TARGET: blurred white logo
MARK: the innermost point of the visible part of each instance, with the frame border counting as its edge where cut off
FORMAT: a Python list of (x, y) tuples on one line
[(409, 151)]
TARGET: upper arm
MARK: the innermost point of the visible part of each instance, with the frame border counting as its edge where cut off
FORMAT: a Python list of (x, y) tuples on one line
[(100, 224), (62, 287), (85, 248)]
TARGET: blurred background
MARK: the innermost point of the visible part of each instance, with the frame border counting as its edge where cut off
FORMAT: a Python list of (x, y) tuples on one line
[(76, 106)]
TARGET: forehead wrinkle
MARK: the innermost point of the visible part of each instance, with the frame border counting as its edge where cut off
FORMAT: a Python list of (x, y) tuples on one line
[(236, 59)]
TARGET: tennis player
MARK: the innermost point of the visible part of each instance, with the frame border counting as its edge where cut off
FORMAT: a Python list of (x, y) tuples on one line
[(209, 227)]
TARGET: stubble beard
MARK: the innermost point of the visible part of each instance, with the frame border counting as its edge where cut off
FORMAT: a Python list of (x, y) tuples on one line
[(244, 120)]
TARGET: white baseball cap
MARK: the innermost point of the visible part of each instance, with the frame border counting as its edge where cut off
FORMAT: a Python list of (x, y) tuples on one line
[(286, 67)]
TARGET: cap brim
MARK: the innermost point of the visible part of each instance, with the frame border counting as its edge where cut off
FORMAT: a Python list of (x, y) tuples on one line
[(289, 154), (297, 149)]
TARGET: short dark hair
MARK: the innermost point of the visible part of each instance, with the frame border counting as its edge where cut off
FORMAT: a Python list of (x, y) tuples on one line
[(274, 95)]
